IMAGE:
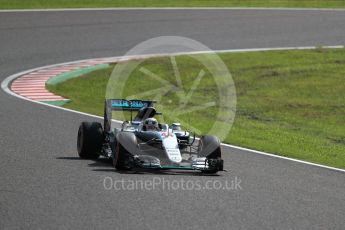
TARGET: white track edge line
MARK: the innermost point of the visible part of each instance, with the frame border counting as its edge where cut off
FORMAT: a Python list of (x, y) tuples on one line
[(170, 8), (5, 86)]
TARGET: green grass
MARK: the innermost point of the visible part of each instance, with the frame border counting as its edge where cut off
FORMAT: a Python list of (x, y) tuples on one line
[(291, 103), (30, 4)]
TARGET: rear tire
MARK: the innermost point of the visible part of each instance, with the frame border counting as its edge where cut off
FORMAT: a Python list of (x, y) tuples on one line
[(90, 138), (126, 147)]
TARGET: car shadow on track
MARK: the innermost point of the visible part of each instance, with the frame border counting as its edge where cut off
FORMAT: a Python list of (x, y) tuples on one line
[(105, 165)]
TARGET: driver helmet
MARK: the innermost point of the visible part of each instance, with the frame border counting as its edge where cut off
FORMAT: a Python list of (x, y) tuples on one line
[(150, 124)]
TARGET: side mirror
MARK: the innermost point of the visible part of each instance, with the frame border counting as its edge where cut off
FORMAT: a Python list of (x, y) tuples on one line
[(192, 141)]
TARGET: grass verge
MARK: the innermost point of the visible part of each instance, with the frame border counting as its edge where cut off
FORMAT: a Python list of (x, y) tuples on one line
[(291, 103), (31, 4)]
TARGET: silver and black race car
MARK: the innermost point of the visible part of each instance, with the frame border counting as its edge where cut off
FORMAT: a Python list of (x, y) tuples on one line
[(143, 143)]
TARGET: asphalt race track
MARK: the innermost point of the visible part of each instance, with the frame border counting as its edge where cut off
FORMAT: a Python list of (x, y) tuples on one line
[(44, 185)]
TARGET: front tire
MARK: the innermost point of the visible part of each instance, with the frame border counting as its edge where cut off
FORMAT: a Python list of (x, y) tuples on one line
[(90, 137), (126, 147), (209, 147)]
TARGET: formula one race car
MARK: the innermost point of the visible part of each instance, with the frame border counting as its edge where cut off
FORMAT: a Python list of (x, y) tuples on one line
[(143, 143)]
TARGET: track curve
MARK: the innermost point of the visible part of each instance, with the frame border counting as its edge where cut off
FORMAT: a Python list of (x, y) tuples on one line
[(44, 184)]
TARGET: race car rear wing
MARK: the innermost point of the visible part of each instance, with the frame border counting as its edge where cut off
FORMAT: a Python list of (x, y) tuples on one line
[(129, 105), (144, 107)]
